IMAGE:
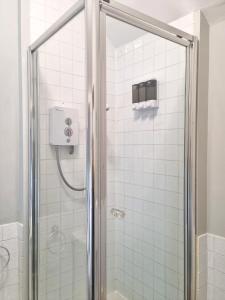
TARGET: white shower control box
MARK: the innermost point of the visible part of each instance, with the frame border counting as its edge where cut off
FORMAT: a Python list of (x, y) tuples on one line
[(63, 126)]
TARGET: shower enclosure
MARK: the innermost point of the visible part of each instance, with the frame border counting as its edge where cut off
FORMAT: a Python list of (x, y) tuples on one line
[(112, 157)]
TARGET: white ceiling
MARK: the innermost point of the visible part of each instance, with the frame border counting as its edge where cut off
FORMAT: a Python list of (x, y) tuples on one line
[(164, 10), (215, 13), (168, 10)]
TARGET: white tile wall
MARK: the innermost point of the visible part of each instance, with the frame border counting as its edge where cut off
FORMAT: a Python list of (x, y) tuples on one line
[(11, 237), (211, 267), (145, 171), (202, 267), (216, 267)]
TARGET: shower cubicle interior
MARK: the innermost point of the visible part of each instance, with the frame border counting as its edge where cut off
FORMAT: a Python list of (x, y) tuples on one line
[(141, 231)]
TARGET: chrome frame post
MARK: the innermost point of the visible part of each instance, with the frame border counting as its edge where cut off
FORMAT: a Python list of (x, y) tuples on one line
[(90, 183), (96, 140), (94, 159), (103, 161), (190, 233), (33, 176)]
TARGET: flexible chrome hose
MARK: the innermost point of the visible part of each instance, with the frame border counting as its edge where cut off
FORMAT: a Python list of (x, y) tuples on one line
[(77, 189)]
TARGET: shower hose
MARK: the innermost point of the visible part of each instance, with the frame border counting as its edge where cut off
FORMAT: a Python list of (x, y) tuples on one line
[(77, 189)]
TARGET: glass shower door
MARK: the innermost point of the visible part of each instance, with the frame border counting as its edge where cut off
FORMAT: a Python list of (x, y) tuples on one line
[(147, 120), (59, 209)]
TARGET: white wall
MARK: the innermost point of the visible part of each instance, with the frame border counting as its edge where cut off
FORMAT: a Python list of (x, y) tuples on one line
[(9, 112), (216, 131), (210, 121), (210, 165), (196, 24), (202, 31)]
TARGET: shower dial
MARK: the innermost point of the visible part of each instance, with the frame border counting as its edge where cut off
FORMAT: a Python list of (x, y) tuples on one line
[(68, 121), (68, 131)]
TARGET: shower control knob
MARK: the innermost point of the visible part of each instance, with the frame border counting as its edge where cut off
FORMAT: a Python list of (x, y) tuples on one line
[(68, 131), (68, 121)]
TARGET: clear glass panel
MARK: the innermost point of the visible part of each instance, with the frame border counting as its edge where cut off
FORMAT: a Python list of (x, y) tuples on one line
[(62, 221), (145, 166)]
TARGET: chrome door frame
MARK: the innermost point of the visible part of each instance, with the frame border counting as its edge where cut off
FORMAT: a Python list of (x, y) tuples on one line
[(130, 16)]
